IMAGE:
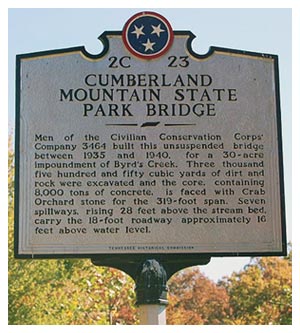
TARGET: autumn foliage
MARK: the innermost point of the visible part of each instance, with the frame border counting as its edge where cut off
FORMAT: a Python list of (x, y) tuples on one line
[(75, 292), (194, 299), (262, 293)]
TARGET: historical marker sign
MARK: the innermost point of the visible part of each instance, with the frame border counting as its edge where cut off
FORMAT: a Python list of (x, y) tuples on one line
[(148, 148)]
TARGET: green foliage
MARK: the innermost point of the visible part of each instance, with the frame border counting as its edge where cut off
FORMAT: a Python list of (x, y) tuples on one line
[(68, 291), (64, 291)]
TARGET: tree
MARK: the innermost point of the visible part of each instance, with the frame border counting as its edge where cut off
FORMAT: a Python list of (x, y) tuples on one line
[(64, 291), (262, 292), (196, 300)]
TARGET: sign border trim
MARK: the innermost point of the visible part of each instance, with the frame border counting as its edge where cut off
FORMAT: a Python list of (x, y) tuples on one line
[(104, 38)]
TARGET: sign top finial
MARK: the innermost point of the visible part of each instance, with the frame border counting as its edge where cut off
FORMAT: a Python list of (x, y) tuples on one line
[(147, 35)]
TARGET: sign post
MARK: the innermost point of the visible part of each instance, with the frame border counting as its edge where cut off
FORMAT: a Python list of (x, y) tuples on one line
[(148, 152), (152, 314), (151, 292)]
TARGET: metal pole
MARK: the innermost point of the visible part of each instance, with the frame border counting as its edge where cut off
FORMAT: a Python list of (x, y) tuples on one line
[(151, 292), (152, 314)]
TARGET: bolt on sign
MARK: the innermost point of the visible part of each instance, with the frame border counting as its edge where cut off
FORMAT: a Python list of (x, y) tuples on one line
[(148, 147)]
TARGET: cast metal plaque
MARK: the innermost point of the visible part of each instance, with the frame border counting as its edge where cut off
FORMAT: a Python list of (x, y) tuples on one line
[(148, 147)]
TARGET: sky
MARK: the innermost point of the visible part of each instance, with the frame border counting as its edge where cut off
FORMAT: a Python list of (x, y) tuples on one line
[(263, 30)]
